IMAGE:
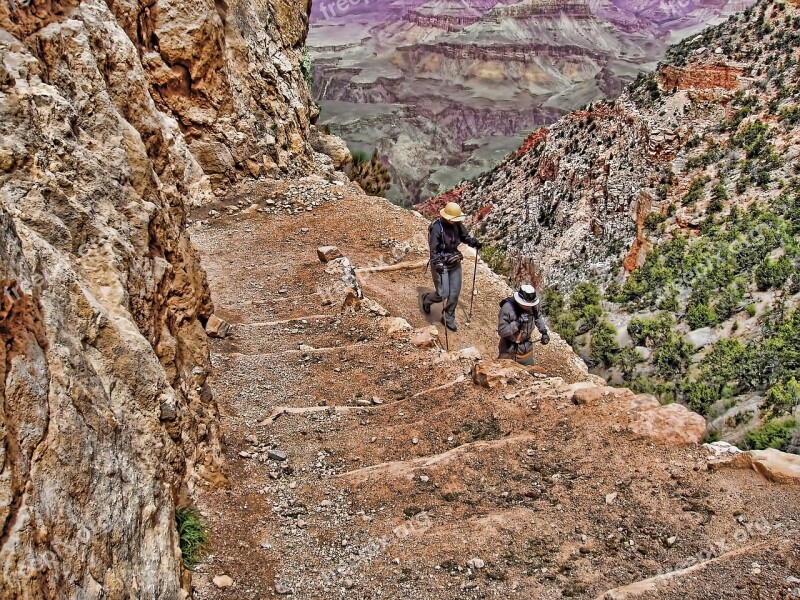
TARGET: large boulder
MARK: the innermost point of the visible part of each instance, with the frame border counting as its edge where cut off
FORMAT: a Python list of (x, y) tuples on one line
[(342, 282), (774, 465), (673, 424), (643, 414), (427, 337), (326, 254), (217, 327), (495, 373), (397, 325), (330, 145)]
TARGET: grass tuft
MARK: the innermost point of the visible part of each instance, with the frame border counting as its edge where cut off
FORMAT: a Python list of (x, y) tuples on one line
[(193, 535)]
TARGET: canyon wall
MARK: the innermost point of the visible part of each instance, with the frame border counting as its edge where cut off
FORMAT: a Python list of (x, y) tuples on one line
[(400, 76), (227, 72), (115, 118)]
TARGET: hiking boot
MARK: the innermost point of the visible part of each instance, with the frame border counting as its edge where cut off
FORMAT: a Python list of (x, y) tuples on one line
[(451, 325), (426, 308)]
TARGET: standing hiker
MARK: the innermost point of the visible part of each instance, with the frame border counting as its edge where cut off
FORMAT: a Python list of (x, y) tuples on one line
[(444, 236), (518, 314)]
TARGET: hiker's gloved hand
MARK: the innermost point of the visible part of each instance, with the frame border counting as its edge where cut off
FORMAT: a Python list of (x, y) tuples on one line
[(545, 338), (438, 267), (477, 245)]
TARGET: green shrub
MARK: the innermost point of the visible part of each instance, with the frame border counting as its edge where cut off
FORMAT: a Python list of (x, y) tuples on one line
[(652, 331), (370, 174), (653, 220), (696, 190), (603, 345), (772, 274), (584, 303), (753, 138), (782, 398), (773, 434), (613, 291), (644, 286), (590, 316), (719, 195), (672, 357), (192, 535), (701, 315), (731, 298), (722, 367), (566, 326), (669, 301), (627, 359), (307, 68), (636, 329), (553, 303), (698, 396), (585, 294), (497, 260), (790, 116)]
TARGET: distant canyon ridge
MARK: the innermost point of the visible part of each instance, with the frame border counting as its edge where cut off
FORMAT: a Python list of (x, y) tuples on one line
[(445, 89)]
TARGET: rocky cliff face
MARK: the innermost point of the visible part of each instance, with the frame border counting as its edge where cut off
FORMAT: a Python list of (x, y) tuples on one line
[(228, 73), (115, 118)]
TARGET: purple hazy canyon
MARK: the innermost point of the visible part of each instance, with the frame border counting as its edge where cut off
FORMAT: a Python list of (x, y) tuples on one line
[(444, 89)]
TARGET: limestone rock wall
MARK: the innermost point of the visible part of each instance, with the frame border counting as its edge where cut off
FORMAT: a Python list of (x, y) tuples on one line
[(107, 421), (228, 72)]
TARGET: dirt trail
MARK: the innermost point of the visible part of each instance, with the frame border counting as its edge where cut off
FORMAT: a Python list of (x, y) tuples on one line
[(403, 478)]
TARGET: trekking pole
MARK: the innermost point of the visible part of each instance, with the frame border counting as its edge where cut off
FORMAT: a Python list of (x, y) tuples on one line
[(474, 277), (444, 320)]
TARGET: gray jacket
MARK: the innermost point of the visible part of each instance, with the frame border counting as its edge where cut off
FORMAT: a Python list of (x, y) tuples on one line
[(508, 326), (443, 240)]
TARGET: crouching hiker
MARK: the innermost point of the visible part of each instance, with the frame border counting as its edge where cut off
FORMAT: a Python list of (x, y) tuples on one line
[(444, 236), (518, 315)]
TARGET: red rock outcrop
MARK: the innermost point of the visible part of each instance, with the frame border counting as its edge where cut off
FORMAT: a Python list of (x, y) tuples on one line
[(640, 245), (533, 140), (701, 77), (432, 207)]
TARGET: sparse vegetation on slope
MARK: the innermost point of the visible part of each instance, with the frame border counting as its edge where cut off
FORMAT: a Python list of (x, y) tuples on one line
[(701, 286)]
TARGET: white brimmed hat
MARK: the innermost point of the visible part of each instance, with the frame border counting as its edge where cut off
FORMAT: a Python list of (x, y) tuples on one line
[(526, 296), (452, 212)]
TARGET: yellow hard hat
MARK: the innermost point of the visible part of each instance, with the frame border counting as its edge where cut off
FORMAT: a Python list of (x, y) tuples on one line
[(452, 212)]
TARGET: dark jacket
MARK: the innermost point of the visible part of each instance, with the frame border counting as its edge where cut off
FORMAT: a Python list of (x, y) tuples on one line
[(508, 326), (443, 240)]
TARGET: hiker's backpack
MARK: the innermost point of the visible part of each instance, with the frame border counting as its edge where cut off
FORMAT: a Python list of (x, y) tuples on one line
[(437, 223), (505, 301)]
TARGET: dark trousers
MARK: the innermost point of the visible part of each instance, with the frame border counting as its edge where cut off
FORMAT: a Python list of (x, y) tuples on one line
[(447, 287), (522, 359)]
